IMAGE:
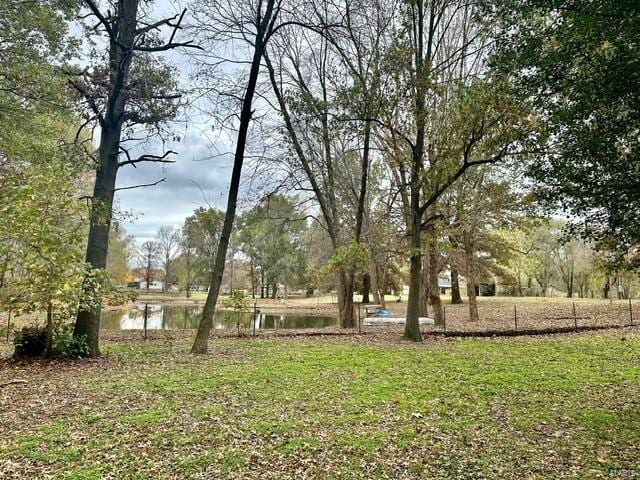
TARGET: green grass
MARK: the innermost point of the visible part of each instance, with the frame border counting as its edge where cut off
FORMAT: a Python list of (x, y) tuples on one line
[(552, 408)]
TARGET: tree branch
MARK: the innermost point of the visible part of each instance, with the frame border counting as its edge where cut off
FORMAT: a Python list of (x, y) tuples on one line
[(101, 18), (146, 158), (140, 186)]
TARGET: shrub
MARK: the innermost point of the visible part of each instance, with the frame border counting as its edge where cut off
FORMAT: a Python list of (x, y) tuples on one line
[(31, 341), (66, 345)]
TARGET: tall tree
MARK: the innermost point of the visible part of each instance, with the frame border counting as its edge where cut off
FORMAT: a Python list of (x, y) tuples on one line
[(452, 119), (168, 240), (126, 91), (148, 256), (325, 76), (227, 19)]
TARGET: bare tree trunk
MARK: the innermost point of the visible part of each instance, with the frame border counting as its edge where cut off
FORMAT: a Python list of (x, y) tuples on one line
[(366, 288), (570, 282), (383, 288), (456, 298), (201, 342), (167, 261), (345, 299), (88, 321), (471, 279), (188, 283), (426, 287), (412, 323), (519, 284), (253, 279), (434, 289), (374, 284), (148, 275)]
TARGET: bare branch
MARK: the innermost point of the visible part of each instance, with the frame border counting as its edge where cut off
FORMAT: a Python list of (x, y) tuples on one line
[(101, 18), (146, 158), (140, 186)]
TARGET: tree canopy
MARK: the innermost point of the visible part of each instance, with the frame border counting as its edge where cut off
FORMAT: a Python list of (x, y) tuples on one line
[(578, 64)]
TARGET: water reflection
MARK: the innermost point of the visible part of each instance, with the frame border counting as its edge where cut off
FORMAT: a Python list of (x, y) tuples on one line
[(178, 317)]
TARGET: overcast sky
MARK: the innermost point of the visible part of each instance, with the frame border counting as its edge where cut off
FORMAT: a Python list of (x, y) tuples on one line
[(194, 180), (198, 178)]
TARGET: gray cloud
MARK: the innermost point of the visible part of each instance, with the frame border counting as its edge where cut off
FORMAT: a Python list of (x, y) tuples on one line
[(195, 180)]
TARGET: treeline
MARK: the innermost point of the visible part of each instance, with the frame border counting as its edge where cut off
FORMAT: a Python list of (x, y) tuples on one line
[(392, 141)]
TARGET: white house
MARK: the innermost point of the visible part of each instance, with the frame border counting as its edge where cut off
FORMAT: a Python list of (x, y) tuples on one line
[(154, 285)]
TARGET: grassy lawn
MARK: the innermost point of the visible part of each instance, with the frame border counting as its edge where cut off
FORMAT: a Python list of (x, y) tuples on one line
[(561, 407)]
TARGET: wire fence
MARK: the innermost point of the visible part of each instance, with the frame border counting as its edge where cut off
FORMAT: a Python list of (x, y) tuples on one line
[(529, 318), (497, 317)]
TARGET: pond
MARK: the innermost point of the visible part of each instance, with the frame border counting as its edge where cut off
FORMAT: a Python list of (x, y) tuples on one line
[(179, 317)]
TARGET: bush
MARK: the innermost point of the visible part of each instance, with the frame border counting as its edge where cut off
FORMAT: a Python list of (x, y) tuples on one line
[(31, 341), (66, 345)]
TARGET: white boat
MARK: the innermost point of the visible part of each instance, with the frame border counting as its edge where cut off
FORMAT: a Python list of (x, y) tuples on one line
[(371, 321)]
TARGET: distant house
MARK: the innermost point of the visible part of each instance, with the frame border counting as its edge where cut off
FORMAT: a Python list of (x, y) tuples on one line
[(155, 285), (485, 289), (444, 284)]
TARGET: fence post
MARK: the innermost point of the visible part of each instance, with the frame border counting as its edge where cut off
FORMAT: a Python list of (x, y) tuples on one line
[(575, 317), (146, 307), (515, 316), (359, 321), (630, 311), (255, 302)]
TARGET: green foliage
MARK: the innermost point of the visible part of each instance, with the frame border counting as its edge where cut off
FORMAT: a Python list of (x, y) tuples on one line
[(271, 234), (121, 252), (238, 302), (353, 258), (33, 39), (201, 234), (68, 346), (42, 223), (578, 65), (484, 111), (31, 341)]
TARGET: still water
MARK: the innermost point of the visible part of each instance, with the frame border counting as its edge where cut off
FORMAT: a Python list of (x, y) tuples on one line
[(177, 317)]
